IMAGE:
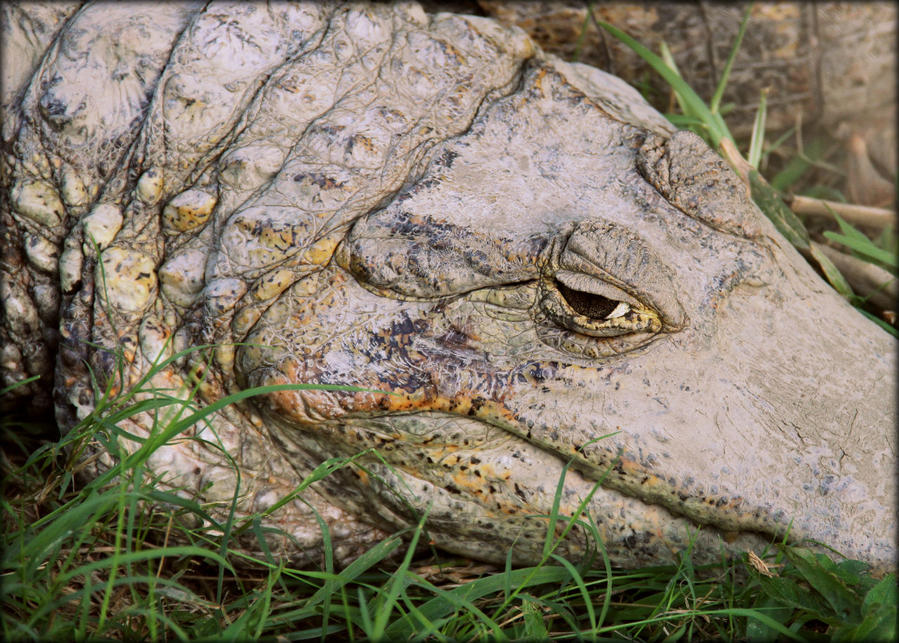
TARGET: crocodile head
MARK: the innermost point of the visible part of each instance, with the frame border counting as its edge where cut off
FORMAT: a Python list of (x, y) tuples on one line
[(610, 299), (528, 274)]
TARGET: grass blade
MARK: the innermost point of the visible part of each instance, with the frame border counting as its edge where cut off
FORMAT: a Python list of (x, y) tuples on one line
[(715, 127), (769, 201), (865, 248), (443, 605), (15, 385), (754, 155), (666, 55), (582, 588), (854, 239), (725, 75), (148, 554), (797, 166), (833, 274), (878, 613), (397, 583)]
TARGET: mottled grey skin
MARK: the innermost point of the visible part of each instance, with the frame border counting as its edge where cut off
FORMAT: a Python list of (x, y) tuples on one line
[(520, 251)]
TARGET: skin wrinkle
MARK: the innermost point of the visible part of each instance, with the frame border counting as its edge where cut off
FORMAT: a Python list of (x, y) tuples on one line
[(686, 182)]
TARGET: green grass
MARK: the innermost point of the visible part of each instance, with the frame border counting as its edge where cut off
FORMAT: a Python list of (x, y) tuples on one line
[(116, 557)]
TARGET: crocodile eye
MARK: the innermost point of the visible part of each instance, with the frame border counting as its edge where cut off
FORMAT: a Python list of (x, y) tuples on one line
[(589, 306), (592, 305)]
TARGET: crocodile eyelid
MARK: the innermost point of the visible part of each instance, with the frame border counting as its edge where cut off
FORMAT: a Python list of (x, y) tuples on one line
[(595, 315), (590, 284), (615, 260)]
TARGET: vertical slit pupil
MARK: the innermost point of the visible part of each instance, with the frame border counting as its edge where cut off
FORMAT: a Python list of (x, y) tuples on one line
[(586, 303)]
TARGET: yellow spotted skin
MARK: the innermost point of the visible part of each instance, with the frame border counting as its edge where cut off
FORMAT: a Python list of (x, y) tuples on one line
[(188, 211), (471, 269), (37, 201), (149, 186), (128, 278)]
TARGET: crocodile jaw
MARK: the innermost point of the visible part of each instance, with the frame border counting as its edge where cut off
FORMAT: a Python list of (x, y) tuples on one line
[(777, 443)]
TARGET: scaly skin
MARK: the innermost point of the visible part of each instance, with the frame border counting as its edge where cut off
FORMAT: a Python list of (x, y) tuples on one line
[(518, 253)]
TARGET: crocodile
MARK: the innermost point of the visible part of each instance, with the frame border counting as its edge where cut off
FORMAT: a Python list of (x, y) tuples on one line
[(543, 298)]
